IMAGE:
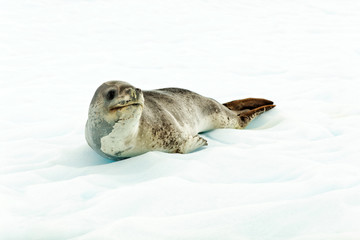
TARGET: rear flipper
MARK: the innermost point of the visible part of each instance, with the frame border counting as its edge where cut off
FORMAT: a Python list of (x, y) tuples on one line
[(247, 116), (247, 104), (249, 108)]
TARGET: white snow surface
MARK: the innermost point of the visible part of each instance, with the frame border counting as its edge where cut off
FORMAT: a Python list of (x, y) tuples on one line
[(293, 174)]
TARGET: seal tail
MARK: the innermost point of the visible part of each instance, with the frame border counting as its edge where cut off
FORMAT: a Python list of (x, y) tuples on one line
[(249, 108)]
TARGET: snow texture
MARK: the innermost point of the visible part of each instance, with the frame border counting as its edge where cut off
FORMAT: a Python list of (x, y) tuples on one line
[(293, 174)]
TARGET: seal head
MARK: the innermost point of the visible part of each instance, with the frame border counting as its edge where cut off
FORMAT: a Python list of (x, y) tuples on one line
[(114, 103)]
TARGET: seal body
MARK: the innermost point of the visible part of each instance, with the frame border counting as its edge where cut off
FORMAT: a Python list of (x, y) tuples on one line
[(125, 121)]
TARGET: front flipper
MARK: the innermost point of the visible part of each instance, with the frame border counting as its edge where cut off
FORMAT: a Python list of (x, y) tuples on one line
[(191, 144)]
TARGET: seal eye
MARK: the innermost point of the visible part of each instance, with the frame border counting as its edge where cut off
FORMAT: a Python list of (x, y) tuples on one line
[(110, 95)]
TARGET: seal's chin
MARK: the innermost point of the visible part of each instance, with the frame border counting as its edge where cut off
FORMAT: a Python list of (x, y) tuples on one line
[(118, 107)]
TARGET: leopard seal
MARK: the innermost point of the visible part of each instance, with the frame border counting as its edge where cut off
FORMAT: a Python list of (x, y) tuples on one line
[(124, 121)]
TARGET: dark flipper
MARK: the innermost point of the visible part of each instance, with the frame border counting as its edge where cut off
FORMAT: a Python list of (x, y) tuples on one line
[(247, 103), (247, 116), (249, 108)]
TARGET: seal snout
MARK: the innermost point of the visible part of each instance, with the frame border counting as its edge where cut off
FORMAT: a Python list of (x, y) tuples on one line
[(119, 97), (125, 93)]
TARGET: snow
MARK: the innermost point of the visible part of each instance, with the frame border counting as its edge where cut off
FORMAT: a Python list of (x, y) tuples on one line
[(293, 174)]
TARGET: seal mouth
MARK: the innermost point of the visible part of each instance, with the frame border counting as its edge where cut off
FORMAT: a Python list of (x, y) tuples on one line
[(121, 106)]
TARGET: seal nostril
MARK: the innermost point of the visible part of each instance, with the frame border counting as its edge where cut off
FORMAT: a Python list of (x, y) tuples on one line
[(110, 95)]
